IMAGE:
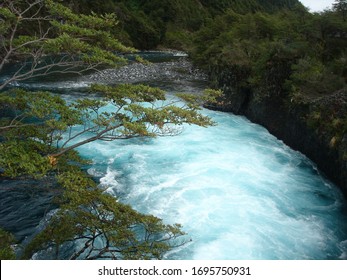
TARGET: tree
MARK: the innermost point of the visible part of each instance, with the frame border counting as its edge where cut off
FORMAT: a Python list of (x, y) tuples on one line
[(47, 38), (40, 128), (341, 7), (40, 131), (100, 227), (6, 251)]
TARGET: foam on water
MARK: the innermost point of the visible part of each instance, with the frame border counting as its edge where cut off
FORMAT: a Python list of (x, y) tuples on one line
[(238, 192), (53, 85)]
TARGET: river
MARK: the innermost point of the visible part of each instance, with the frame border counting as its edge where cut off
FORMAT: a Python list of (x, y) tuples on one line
[(239, 192)]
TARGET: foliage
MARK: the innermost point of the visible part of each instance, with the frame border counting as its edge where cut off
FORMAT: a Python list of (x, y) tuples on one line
[(243, 7), (147, 24), (341, 7), (276, 54), (328, 116), (6, 242), (50, 127), (151, 23), (101, 227), (74, 43)]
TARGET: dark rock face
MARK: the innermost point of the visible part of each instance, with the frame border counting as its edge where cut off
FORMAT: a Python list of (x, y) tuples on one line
[(289, 123), (291, 127)]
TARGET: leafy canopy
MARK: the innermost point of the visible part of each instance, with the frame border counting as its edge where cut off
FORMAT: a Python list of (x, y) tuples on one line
[(281, 54), (49, 38)]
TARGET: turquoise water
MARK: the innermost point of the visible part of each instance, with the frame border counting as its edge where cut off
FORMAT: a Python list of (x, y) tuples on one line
[(238, 192)]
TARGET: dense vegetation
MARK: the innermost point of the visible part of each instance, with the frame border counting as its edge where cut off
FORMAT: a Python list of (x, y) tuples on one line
[(288, 52), (149, 24)]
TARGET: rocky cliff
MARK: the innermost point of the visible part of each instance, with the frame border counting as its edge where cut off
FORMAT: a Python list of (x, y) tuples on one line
[(309, 127)]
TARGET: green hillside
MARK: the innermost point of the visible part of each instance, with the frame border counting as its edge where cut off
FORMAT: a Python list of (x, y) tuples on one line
[(147, 24)]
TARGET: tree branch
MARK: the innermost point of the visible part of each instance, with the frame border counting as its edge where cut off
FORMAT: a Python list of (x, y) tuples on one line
[(91, 139)]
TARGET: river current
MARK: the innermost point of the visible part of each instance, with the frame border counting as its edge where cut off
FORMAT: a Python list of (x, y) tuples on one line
[(238, 192)]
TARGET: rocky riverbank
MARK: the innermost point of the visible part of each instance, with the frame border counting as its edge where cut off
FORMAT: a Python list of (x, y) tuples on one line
[(178, 69)]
